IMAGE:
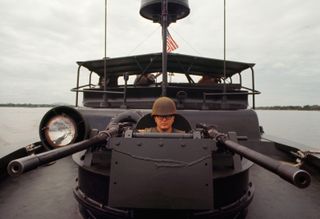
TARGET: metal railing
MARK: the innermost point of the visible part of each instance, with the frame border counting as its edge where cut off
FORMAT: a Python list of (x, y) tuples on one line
[(81, 89)]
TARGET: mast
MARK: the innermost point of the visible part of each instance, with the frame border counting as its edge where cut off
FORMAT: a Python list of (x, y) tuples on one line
[(164, 24), (164, 12)]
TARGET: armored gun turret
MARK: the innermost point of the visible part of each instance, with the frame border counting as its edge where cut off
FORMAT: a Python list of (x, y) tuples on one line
[(115, 128), (140, 167)]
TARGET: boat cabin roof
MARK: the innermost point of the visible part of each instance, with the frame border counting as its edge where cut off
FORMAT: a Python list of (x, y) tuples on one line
[(148, 63), (214, 92)]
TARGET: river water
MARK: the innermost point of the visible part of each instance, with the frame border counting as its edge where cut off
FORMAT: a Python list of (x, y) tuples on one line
[(19, 126), (299, 126)]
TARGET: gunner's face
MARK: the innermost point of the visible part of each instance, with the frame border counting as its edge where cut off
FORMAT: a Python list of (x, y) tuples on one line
[(164, 123)]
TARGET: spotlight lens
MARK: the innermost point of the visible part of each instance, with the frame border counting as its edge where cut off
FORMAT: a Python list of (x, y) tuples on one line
[(61, 131)]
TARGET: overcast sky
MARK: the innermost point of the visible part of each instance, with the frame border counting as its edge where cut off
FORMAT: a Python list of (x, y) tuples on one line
[(40, 42)]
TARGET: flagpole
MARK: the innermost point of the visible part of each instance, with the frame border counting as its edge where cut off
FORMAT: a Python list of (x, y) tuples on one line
[(164, 24)]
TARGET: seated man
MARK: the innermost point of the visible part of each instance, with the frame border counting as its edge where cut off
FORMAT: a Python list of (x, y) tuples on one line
[(208, 80), (163, 113), (145, 79), (110, 82)]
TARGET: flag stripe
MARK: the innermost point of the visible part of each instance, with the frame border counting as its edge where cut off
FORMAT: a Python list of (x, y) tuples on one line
[(171, 44)]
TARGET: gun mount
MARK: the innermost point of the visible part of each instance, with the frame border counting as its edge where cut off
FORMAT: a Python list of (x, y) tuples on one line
[(292, 174), (120, 154), (208, 160)]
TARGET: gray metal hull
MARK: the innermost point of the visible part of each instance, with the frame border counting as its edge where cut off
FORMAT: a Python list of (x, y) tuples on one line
[(47, 193)]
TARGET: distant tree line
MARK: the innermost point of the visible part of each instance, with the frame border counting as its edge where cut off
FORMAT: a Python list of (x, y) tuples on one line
[(303, 108), (26, 105)]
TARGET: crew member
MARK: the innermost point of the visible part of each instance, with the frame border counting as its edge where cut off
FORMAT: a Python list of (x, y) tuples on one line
[(208, 80), (145, 79), (163, 113)]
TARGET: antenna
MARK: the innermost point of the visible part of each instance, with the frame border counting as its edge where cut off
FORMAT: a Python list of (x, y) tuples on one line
[(224, 52), (105, 96), (105, 28)]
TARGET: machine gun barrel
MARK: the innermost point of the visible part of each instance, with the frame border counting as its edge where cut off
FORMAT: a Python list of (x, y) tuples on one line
[(21, 165), (292, 174)]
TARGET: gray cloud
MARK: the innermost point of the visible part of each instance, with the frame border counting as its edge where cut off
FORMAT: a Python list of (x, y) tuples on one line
[(40, 41)]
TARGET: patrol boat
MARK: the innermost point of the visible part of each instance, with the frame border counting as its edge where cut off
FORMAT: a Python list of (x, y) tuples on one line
[(118, 172)]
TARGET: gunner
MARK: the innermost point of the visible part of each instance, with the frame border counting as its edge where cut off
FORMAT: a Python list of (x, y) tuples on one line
[(163, 113)]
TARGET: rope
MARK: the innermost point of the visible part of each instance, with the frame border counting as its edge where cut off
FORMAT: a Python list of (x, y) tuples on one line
[(301, 156), (144, 40), (180, 36), (311, 152)]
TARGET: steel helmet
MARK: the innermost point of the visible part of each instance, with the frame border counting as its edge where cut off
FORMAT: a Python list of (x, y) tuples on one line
[(163, 106)]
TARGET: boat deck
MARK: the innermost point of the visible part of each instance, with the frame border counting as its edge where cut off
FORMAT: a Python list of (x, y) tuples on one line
[(47, 193)]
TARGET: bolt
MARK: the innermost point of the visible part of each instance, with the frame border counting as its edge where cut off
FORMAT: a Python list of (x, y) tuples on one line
[(205, 147)]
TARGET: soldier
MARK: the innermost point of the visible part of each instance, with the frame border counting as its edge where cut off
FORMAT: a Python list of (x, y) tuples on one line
[(145, 79), (209, 80), (163, 113)]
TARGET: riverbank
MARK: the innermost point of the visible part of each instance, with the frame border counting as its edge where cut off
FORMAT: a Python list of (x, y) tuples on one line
[(28, 105), (302, 108)]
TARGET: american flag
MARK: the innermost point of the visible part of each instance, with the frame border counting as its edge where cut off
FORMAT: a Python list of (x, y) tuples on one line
[(171, 44)]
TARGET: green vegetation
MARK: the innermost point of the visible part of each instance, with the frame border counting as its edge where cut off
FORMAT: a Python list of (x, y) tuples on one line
[(302, 108)]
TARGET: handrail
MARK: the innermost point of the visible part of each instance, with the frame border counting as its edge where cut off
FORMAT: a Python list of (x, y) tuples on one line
[(253, 88), (205, 94), (253, 91), (126, 78), (82, 86), (97, 91), (78, 89), (77, 85)]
